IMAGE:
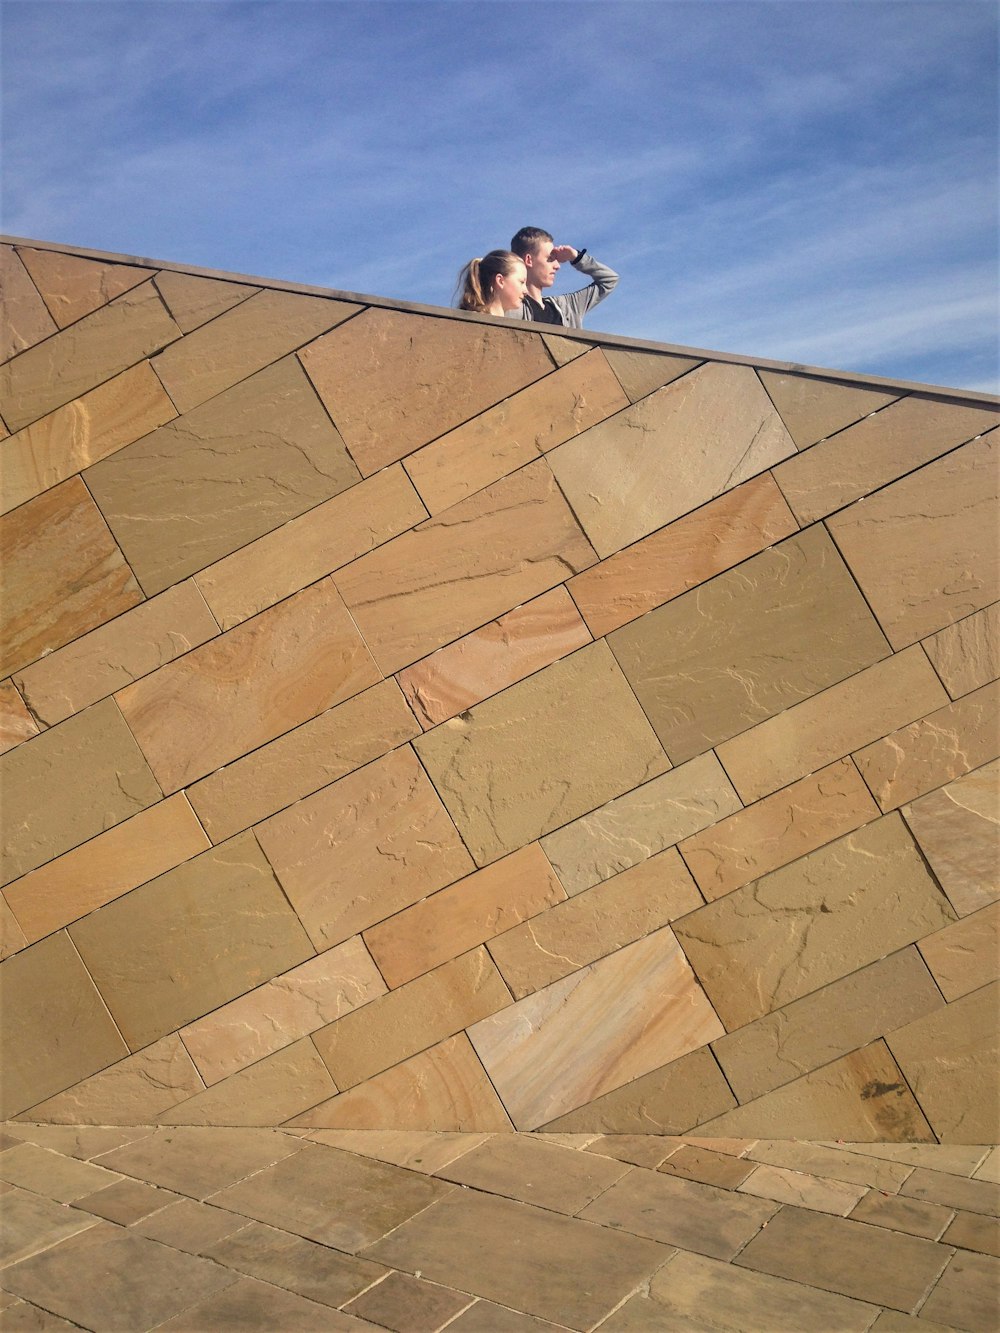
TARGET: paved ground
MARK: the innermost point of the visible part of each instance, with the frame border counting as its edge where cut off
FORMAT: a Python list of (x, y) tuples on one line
[(255, 1229)]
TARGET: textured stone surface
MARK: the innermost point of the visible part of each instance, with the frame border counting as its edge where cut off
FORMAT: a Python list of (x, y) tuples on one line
[(409, 1304), (966, 1296), (908, 1215), (12, 937), (32, 1224), (546, 1174), (16, 723), (640, 372), (967, 653), (64, 1178), (957, 828), (266, 1093), (965, 955), (72, 286), (784, 1186), (813, 409), (26, 318), (193, 301), (198, 1162)]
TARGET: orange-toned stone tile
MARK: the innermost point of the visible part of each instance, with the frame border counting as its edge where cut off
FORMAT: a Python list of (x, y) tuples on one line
[(310, 546), (95, 349), (685, 553), (412, 1018), (969, 1231), (809, 735), (26, 317), (595, 1030), (248, 686), (419, 1150), (266, 1093), (712, 1168), (441, 1089), (462, 568), (409, 1304), (813, 409), (12, 937), (957, 829), (53, 1174), (669, 453), (489, 659), (953, 1190), (966, 1295), (109, 865), (640, 372), (63, 574), (393, 381), (520, 1166), (363, 848), (594, 924), (967, 653), (16, 723), (282, 1010), (456, 919), (779, 829), (80, 433), (543, 752), (507, 436), (564, 349), (849, 1162), (193, 300), (813, 1192), (965, 955), (72, 286)]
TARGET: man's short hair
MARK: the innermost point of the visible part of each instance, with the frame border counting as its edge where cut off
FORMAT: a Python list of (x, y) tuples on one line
[(528, 239)]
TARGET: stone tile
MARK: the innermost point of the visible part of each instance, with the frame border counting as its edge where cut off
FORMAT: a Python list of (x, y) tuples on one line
[(190, 940), (383, 828), (281, 1011), (890, 1321), (813, 1192), (826, 1024), (197, 1161), (32, 1223), (126, 1201), (640, 372), (970, 1231), (734, 1147), (769, 943), (745, 646), (56, 1030), (956, 830), (191, 1226), (516, 431), (489, 659), (26, 317), (95, 349), (412, 1018), (669, 453), (564, 349), (708, 1167), (193, 301), (392, 381), (63, 574), (303, 760), (65, 1179), (594, 1031), (542, 753), (811, 734), (951, 1158), (594, 924), (974, 1196), (279, 1086), (684, 554), (72, 286), (485, 1317), (967, 653), (311, 546), (420, 1150), (647, 1150), (108, 866), (524, 1257), (813, 409), (518, 1167), (989, 1168), (249, 1306), (966, 954), (23, 1317), (836, 1254), (628, 830), (12, 937), (464, 567), (838, 1163), (968, 1294), (16, 723), (409, 1305), (74, 436), (924, 550), (456, 919), (310, 1270), (907, 1215), (82, 1141)]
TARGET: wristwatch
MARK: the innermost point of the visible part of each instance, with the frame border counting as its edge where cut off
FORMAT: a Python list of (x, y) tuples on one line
[(579, 256)]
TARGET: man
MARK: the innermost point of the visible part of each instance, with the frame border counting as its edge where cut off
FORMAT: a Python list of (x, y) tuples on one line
[(542, 259)]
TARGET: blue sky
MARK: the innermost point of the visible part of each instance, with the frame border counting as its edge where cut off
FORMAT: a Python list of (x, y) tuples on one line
[(808, 180)]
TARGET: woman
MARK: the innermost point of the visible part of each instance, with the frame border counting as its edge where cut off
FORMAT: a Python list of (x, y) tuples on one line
[(494, 284)]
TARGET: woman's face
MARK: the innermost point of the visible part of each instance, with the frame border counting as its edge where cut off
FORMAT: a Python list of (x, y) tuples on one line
[(512, 287)]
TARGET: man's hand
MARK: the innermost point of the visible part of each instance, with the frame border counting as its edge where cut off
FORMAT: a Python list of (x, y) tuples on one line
[(564, 253)]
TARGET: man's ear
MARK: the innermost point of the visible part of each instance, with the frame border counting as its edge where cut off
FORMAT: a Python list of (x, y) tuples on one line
[(529, 260)]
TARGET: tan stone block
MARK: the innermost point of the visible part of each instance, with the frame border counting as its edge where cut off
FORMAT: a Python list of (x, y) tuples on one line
[(957, 830), (63, 574), (784, 1186), (193, 301), (827, 1024), (812, 922), (394, 381), (419, 1150), (107, 866), (441, 1089), (206, 484), (927, 1182), (303, 760), (942, 746), (967, 654), (12, 937), (965, 955), (16, 723), (26, 319), (55, 1029), (924, 550), (779, 829), (456, 919), (311, 546), (807, 736), (813, 409), (246, 687), (669, 453), (70, 783), (966, 1296), (95, 349), (412, 1018), (684, 554), (595, 923), (564, 349), (53, 1174), (72, 286), (507, 436), (949, 1059), (971, 1231), (706, 1165), (190, 940), (363, 848), (595, 1030), (268, 1092), (541, 753), (908, 1215), (876, 451), (989, 1168), (281, 1011), (940, 1160), (783, 626), (640, 372), (456, 571), (850, 1162), (535, 1170), (633, 827)]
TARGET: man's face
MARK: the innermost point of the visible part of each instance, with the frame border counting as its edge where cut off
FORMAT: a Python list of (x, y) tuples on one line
[(542, 268)]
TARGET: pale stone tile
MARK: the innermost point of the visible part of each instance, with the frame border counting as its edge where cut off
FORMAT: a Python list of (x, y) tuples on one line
[(542, 753), (813, 409), (83, 1141), (965, 955), (72, 286), (640, 372), (292, 1262), (16, 723), (392, 381), (967, 1294), (12, 937), (564, 349), (989, 1168), (967, 654), (33, 1224), (189, 1225), (126, 1201), (977, 1196), (52, 1174), (947, 1158), (682, 555), (248, 686), (419, 1150), (26, 319), (692, 1162), (924, 550), (669, 453), (913, 1216), (363, 848), (784, 1186), (838, 1163), (199, 1160), (193, 301), (735, 1147), (517, 1166), (891, 1321), (969, 1231), (957, 829), (266, 1093), (404, 1302), (489, 659), (595, 1030)]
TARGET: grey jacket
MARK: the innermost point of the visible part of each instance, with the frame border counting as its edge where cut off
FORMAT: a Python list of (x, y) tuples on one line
[(572, 307)]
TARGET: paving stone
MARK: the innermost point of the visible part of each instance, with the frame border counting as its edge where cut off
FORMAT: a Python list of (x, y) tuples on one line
[(647, 1150), (822, 1196), (965, 955), (952, 1158), (26, 317), (974, 1196), (32, 1223), (247, 1306), (16, 723), (891, 1321), (711, 1168), (83, 1141), (193, 301), (909, 1215), (419, 1150), (310, 1270), (535, 1172), (190, 1226), (955, 827), (269, 1092), (835, 1163), (989, 1168), (23, 1317), (72, 286), (408, 1304), (485, 1317), (12, 937), (638, 371), (51, 1174), (814, 408), (968, 1294), (973, 1231), (199, 1161), (967, 653), (126, 1201)]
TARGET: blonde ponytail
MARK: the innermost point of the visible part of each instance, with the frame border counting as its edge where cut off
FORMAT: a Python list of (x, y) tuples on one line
[(477, 279)]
